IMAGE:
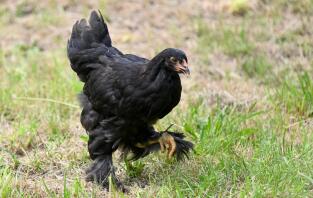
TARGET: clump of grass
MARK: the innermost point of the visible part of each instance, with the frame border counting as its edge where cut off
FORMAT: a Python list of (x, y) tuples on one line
[(236, 42), (297, 97), (24, 8), (6, 187), (134, 169), (24, 138), (257, 67), (74, 189), (232, 41), (239, 7), (302, 7)]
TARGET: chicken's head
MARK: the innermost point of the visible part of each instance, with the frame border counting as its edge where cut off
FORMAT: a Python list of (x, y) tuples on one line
[(176, 60)]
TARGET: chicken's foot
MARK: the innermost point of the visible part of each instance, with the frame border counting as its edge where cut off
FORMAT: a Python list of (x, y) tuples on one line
[(166, 141)]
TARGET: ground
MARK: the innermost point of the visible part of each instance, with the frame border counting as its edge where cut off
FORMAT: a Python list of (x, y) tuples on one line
[(247, 106)]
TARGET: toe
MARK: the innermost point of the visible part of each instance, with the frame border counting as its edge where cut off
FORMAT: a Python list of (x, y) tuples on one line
[(167, 143), (173, 148), (169, 147), (162, 147)]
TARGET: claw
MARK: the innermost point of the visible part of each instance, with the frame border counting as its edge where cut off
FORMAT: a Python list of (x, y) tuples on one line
[(172, 147), (167, 142)]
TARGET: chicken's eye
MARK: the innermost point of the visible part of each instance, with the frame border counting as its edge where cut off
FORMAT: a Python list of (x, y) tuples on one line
[(173, 59)]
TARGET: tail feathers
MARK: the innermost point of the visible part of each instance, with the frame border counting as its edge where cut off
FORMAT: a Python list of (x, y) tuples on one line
[(87, 42), (85, 35), (100, 29)]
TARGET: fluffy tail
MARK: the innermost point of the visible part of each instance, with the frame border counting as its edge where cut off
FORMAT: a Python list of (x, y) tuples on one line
[(87, 42)]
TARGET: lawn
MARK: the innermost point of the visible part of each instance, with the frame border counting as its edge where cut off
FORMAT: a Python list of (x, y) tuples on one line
[(248, 105)]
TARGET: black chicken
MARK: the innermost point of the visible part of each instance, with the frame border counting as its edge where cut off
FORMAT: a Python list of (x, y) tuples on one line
[(123, 96)]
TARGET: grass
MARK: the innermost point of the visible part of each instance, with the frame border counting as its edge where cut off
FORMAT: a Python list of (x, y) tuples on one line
[(232, 41), (239, 7), (5, 178), (240, 154), (257, 67), (243, 147), (297, 97)]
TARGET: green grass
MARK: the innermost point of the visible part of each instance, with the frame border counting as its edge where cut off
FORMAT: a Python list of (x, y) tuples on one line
[(239, 7), (297, 96), (239, 154), (6, 188), (232, 41), (251, 148), (257, 67)]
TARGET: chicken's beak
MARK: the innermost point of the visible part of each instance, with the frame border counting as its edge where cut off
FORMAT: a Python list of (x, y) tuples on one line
[(182, 68)]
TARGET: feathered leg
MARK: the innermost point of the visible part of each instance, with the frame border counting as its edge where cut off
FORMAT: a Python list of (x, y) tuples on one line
[(101, 169), (101, 152), (100, 145)]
